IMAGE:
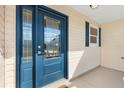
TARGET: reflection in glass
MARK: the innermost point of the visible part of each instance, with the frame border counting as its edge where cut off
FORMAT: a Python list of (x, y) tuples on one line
[(51, 37), (93, 39), (93, 35), (93, 31), (27, 36)]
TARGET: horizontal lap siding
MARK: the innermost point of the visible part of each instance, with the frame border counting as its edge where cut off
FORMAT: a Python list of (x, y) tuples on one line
[(81, 59), (10, 45), (1, 46), (113, 45)]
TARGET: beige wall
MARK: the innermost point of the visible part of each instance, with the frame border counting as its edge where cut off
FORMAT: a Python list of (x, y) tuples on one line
[(2, 34), (10, 45), (113, 45), (81, 59), (7, 46)]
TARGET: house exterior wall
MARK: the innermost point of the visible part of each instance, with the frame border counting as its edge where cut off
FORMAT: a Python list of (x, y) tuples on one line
[(10, 46), (7, 46), (113, 45), (2, 34), (81, 59)]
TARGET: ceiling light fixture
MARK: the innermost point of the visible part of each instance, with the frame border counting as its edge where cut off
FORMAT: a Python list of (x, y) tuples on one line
[(94, 6)]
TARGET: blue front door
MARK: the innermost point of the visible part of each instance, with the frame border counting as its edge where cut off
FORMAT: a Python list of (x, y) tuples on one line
[(50, 55), (41, 46)]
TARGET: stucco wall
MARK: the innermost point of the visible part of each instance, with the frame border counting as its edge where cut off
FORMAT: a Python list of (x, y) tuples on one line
[(113, 45)]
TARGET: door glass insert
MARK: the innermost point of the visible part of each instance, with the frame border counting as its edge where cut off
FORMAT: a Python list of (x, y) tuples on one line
[(51, 37), (27, 36)]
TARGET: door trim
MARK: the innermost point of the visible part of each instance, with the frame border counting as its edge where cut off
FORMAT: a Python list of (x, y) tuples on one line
[(19, 38)]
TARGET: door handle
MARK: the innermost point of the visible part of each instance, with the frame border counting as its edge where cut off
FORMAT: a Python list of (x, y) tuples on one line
[(40, 53)]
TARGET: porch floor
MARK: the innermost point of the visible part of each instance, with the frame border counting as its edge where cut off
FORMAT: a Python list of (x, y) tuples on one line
[(62, 83), (100, 77)]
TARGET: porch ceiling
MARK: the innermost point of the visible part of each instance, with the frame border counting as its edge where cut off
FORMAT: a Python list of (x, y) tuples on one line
[(102, 14)]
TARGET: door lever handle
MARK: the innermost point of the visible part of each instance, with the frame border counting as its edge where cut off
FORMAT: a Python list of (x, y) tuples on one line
[(40, 53)]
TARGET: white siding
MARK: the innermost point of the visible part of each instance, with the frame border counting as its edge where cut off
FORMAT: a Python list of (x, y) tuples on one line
[(1, 46), (10, 45), (113, 45), (81, 59)]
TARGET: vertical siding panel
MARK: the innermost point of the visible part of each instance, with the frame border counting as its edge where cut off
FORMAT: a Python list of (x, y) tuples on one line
[(10, 45)]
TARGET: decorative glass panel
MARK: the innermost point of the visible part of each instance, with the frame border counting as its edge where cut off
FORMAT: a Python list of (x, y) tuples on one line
[(51, 37), (27, 36), (93, 39), (93, 31)]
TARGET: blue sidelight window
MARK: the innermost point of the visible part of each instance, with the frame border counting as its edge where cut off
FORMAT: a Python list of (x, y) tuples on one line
[(27, 36)]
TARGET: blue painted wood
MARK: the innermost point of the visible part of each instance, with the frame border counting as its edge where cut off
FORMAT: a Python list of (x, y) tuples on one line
[(87, 34), (34, 45), (99, 37), (66, 40), (18, 13), (25, 68), (26, 76), (48, 70), (32, 74)]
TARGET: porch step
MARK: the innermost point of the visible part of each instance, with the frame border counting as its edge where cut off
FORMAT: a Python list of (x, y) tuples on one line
[(62, 83)]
